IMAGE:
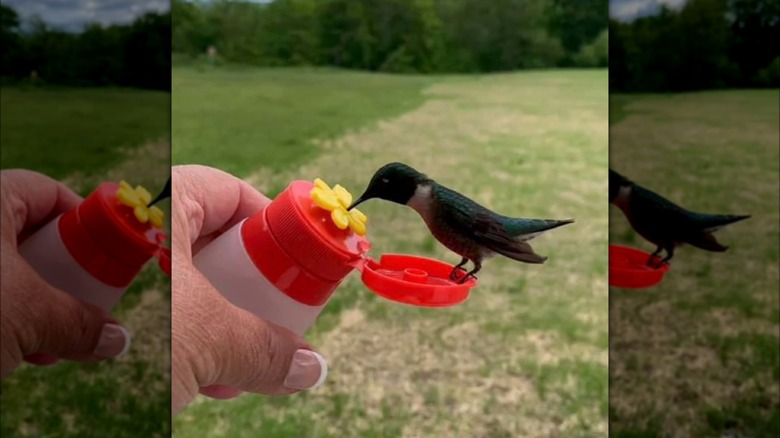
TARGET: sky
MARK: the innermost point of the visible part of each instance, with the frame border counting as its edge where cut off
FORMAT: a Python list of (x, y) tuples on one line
[(73, 14), (627, 10)]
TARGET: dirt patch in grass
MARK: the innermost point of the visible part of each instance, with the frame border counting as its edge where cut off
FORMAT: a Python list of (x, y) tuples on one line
[(148, 165)]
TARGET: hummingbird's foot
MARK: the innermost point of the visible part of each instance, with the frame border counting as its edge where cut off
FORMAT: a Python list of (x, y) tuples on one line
[(655, 255), (466, 277), (472, 273), (457, 268), (655, 262), (459, 275)]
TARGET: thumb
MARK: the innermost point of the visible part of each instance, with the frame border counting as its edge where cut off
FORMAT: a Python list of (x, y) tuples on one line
[(261, 357), (226, 346), (268, 358), (51, 322)]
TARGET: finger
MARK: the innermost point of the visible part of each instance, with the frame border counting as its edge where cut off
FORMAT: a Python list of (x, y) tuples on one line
[(237, 349), (54, 323), (33, 200), (221, 392), (209, 201), (41, 360), (266, 358)]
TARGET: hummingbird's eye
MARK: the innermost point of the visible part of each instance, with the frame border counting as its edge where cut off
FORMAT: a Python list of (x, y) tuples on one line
[(385, 180)]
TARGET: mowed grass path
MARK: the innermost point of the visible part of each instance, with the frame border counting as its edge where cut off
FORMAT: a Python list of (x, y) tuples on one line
[(698, 355), (85, 137), (526, 355)]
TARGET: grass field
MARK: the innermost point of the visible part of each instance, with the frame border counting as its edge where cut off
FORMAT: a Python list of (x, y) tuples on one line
[(59, 130), (698, 355), (84, 137), (527, 354)]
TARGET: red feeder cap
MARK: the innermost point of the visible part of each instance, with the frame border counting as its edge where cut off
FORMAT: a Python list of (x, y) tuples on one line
[(628, 268), (106, 239), (316, 256)]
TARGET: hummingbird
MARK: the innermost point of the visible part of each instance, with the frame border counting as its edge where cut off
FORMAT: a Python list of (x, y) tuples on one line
[(460, 224), (663, 223)]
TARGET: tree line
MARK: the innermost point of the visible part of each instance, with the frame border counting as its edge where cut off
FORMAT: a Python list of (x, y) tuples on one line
[(130, 55), (400, 36), (704, 45)]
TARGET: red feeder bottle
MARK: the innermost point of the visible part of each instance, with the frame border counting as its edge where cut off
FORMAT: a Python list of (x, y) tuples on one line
[(94, 251), (284, 263)]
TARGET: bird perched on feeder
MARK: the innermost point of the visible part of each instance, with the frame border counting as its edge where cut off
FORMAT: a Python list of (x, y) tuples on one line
[(465, 227), (663, 223)]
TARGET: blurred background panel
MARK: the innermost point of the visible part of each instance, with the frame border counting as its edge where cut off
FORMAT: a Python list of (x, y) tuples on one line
[(504, 101), (694, 116), (85, 98)]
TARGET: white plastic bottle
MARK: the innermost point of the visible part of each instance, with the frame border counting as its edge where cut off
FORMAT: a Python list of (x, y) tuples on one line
[(94, 251)]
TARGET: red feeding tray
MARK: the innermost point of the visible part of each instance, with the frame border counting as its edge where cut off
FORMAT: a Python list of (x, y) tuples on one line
[(417, 281), (628, 268)]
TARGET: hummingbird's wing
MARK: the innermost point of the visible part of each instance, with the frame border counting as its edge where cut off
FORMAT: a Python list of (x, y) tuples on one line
[(707, 242), (656, 216), (650, 209), (467, 218), (491, 234)]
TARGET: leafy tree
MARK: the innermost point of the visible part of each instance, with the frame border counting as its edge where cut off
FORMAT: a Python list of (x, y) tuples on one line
[(9, 39), (706, 44), (388, 35), (132, 55), (756, 28), (578, 22)]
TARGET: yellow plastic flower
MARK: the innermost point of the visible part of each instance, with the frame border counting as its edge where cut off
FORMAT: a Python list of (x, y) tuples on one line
[(138, 199), (336, 200)]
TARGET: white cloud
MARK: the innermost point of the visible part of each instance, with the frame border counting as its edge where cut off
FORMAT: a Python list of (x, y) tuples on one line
[(630, 9), (73, 14)]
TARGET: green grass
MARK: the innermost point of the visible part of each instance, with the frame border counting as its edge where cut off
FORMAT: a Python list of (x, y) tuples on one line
[(699, 352), (273, 116), (527, 353), (84, 137), (59, 131)]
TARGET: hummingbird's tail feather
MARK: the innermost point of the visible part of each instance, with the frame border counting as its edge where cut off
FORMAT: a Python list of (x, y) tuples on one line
[(707, 242), (713, 222), (527, 229), (500, 236)]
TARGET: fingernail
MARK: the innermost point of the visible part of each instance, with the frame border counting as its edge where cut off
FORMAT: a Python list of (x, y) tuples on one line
[(114, 341), (307, 371)]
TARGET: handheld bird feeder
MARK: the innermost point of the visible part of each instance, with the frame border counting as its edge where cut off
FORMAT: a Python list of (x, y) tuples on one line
[(320, 212)]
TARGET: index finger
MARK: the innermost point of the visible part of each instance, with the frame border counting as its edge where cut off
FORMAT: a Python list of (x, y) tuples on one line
[(31, 199), (208, 201)]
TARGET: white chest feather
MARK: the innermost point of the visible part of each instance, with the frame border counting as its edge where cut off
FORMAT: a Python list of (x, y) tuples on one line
[(421, 201), (621, 200)]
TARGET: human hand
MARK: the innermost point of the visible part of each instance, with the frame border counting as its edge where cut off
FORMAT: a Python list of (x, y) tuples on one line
[(218, 349), (39, 323)]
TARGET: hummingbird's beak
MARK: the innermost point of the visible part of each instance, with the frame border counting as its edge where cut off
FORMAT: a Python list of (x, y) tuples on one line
[(357, 202)]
